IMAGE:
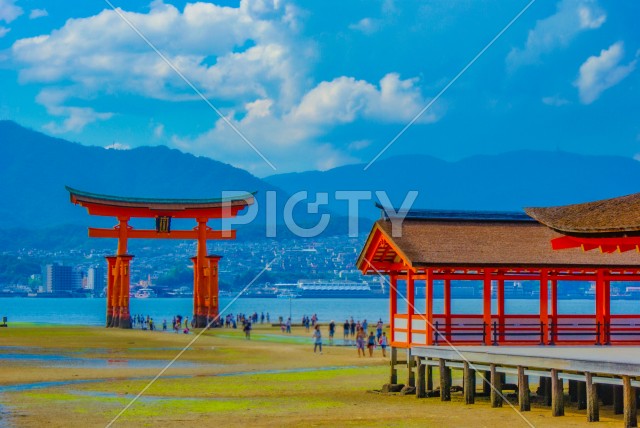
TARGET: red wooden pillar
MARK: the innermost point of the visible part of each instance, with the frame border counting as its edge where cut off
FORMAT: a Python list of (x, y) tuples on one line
[(212, 301), (393, 304), (115, 298), (111, 265), (194, 260), (124, 273), (118, 279), (486, 306), (606, 309), (501, 309), (411, 301), (600, 307), (447, 307), (199, 286), (544, 306), (429, 305), (554, 310)]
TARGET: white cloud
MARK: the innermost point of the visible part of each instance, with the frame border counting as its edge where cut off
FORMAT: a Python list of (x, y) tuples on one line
[(75, 118), (237, 54), (601, 72), (283, 137), (558, 30), (250, 58), (344, 99), (38, 13), (9, 11), (587, 18), (359, 145), (555, 100), (158, 131), (366, 25), (118, 146), (103, 54)]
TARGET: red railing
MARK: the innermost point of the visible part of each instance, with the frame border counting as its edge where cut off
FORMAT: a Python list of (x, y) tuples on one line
[(516, 330)]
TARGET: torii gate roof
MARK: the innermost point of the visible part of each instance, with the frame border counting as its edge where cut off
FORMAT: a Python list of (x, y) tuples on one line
[(115, 206)]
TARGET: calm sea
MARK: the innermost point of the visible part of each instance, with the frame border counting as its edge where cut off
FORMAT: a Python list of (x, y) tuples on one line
[(92, 311)]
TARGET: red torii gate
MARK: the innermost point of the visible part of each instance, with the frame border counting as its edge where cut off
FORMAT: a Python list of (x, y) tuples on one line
[(205, 267)]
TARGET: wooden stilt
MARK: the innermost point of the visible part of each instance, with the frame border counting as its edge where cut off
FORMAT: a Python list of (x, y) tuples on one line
[(429, 377), (630, 418), (523, 391), (547, 391), (496, 387), (411, 362), (581, 395), (557, 394), (420, 380), (573, 391), (469, 384), (486, 384), (605, 393), (445, 381), (393, 378), (593, 411), (618, 407)]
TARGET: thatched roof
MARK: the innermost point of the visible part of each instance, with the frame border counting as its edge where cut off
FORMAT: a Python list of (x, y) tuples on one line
[(609, 217), (473, 243)]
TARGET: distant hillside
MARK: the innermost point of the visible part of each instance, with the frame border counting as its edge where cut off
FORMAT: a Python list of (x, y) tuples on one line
[(508, 181), (34, 168)]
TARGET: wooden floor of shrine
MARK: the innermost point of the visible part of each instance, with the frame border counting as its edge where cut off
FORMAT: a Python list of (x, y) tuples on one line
[(604, 360)]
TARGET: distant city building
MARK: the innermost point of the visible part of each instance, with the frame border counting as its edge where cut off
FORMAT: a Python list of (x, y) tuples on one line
[(96, 279), (58, 278)]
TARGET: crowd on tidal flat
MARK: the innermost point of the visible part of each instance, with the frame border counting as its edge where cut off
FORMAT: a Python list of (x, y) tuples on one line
[(354, 333)]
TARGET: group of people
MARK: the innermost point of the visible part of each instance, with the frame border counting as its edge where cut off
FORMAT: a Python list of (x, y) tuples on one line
[(142, 322), (146, 323), (177, 324), (353, 330), (309, 322), (231, 321)]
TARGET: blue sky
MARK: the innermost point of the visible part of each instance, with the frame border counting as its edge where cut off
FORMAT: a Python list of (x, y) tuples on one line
[(314, 85)]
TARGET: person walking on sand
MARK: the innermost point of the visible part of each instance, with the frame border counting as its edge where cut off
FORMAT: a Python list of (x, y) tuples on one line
[(247, 330), (317, 336), (289, 325), (383, 344), (360, 336), (379, 327), (371, 343), (332, 331), (345, 326)]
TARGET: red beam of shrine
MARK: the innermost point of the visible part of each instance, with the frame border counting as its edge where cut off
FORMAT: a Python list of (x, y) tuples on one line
[(95, 232), (606, 245)]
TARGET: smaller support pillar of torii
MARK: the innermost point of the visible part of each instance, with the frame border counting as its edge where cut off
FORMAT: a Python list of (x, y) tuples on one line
[(205, 290), (211, 302)]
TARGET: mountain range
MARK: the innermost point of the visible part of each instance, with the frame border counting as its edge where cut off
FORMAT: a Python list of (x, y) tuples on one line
[(34, 168), (504, 182)]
